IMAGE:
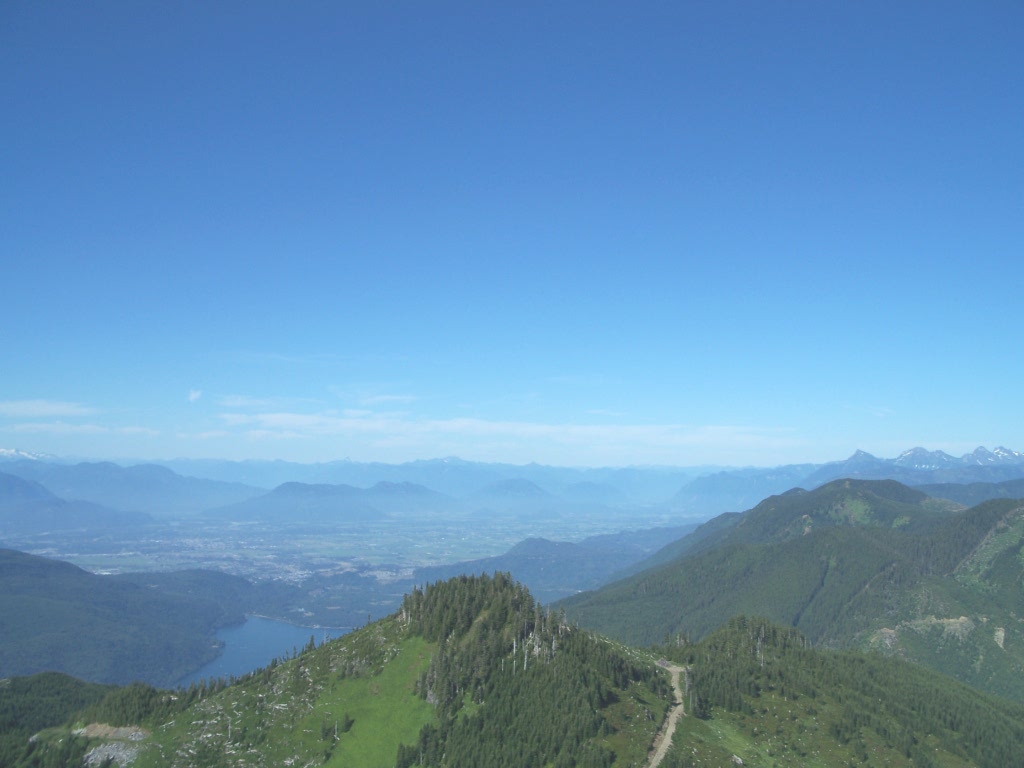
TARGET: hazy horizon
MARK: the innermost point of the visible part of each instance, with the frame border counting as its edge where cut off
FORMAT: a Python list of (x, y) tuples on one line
[(8, 453), (585, 234)]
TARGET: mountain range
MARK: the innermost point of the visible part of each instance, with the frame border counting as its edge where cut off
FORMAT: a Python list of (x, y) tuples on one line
[(26, 507), (294, 502), (919, 466), (555, 569), (734, 490), (147, 488), (190, 486), (452, 476), (851, 564)]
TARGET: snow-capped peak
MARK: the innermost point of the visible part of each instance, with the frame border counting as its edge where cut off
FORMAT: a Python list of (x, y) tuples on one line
[(14, 454), (1001, 455), (921, 458)]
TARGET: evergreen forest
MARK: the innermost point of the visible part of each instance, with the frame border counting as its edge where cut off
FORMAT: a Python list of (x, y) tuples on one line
[(474, 672)]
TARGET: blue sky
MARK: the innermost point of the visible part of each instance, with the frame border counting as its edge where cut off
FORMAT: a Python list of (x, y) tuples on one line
[(580, 233)]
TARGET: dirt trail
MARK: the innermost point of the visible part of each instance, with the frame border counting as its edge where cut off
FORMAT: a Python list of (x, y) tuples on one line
[(664, 738)]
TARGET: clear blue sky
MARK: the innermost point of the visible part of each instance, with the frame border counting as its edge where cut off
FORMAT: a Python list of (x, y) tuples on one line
[(582, 233)]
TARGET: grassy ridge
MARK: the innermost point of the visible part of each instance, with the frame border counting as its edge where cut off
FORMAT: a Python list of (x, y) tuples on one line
[(384, 709), (348, 702)]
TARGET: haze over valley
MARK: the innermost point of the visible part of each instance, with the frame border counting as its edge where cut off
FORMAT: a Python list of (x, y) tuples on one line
[(334, 554), (856, 559)]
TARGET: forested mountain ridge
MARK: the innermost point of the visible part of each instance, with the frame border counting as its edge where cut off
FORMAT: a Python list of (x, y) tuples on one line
[(970, 494), (880, 503), (758, 692), (114, 629), (855, 564), (797, 512), (30, 704), (474, 673), (470, 672)]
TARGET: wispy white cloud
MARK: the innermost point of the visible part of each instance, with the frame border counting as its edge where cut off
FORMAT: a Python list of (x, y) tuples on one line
[(368, 421), (146, 431), (371, 400), (211, 434), (194, 394), (275, 434), (243, 401), (357, 413), (64, 428), (251, 403), (34, 409), (58, 428), (534, 440)]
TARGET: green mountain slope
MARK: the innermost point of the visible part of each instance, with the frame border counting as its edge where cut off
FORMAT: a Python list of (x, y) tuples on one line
[(55, 616), (796, 512), (469, 672), (970, 494), (29, 704), (758, 692), (852, 564), (555, 569), (473, 673)]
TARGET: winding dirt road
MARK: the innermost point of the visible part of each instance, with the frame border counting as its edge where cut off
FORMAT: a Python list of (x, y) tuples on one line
[(664, 738)]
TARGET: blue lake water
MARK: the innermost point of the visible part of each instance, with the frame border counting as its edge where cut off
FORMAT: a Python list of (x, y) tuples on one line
[(256, 643)]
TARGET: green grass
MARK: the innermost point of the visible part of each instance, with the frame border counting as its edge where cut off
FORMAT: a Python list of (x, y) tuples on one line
[(297, 713), (855, 511), (634, 720), (385, 709)]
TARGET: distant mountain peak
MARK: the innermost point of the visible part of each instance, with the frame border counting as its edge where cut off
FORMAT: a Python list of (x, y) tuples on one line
[(922, 458), (515, 488), (312, 489), (1001, 455), (15, 489), (860, 457), (982, 455), (403, 488), (14, 454)]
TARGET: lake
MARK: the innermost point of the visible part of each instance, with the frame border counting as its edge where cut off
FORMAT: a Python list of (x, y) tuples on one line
[(255, 644)]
